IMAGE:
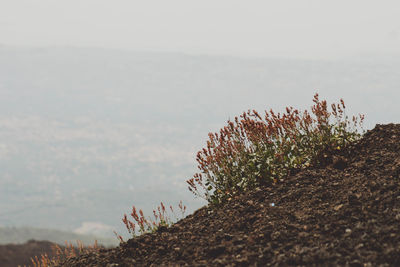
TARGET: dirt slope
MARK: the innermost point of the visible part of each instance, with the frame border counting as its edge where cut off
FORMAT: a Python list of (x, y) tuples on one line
[(345, 213)]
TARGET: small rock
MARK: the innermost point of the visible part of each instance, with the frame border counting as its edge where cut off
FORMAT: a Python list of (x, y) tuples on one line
[(338, 207), (339, 163)]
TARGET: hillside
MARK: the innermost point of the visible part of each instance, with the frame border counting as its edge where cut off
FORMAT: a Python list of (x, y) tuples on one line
[(344, 213)]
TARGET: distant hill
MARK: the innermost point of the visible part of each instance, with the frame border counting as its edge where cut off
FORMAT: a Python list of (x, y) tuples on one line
[(21, 235)]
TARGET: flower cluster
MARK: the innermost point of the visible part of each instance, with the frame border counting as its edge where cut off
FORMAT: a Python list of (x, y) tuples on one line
[(148, 225), (253, 150)]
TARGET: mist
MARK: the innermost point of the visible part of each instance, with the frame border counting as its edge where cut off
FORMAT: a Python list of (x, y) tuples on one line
[(309, 29)]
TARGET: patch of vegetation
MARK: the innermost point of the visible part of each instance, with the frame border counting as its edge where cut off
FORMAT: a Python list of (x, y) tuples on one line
[(256, 149), (144, 225)]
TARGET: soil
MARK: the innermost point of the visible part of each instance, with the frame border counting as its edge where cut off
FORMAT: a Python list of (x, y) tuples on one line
[(344, 213), (12, 255)]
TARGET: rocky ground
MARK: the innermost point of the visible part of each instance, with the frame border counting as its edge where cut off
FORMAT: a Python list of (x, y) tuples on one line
[(346, 213)]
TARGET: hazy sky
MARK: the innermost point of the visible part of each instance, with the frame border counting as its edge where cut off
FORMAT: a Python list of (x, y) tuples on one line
[(290, 28)]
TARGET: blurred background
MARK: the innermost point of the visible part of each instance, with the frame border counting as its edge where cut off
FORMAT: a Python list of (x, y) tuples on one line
[(104, 104)]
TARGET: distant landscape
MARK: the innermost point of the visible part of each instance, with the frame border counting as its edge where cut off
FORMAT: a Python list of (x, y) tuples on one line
[(17, 235), (87, 133)]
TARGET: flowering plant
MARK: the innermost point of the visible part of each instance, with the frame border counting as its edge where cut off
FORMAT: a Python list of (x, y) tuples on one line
[(149, 225), (254, 149)]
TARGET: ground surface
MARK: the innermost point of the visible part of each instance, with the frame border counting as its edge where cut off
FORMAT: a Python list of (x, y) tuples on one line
[(344, 213)]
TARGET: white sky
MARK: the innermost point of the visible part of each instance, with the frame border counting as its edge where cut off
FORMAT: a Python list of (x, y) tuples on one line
[(288, 28)]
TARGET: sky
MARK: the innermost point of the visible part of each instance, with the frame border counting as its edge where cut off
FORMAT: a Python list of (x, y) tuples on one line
[(312, 29)]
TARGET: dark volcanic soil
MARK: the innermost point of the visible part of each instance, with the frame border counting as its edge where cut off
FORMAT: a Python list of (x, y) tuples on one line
[(346, 213)]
